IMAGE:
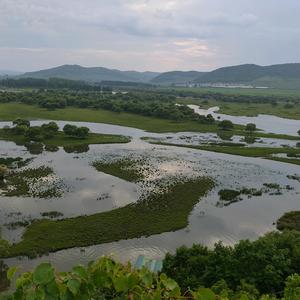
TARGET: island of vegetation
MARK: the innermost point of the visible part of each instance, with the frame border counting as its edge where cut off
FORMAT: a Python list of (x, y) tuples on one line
[(48, 134)]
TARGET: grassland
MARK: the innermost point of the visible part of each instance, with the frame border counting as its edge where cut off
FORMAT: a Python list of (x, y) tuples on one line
[(31, 112), (290, 220), (244, 91), (60, 139), (156, 214), (259, 152)]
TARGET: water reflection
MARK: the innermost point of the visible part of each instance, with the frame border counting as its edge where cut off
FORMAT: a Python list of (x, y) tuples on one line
[(76, 149)]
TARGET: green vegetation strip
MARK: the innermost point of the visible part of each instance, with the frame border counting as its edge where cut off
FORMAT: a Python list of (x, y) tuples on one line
[(258, 152), (60, 139), (290, 220), (151, 124), (156, 214)]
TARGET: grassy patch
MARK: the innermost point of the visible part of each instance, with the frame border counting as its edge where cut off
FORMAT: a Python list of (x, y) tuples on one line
[(14, 161), (228, 195), (245, 151), (52, 214), (290, 220), (60, 139), (30, 182), (124, 168), (155, 214)]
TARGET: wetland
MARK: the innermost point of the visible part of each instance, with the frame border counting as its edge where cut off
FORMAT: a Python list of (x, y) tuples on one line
[(134, 198)]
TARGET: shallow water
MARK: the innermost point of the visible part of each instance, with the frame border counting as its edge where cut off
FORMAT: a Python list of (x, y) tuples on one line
[(267, 123), (208, 221)]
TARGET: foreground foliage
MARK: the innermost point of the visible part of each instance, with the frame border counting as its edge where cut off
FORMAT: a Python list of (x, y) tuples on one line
[(107, 279)]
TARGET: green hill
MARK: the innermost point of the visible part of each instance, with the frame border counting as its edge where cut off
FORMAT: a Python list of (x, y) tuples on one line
[(283, 76), (177, 77)]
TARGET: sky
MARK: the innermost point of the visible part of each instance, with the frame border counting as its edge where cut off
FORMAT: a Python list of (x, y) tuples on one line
[(153, 35)]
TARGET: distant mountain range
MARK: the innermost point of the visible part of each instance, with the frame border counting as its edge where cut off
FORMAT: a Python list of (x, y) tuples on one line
[(280, 76), (254, 75), (94, 74), (9, 73)]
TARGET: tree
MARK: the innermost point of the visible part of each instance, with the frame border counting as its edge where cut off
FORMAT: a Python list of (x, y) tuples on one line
[(20, 129), (82, 132), (225, 125), (20, 121), (34, 133), (50, 129), (292, 287), (262, 263), (74, 131), (69, 129), (250, 127)]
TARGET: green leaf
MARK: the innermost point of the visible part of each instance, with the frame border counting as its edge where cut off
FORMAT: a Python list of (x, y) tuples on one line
[(121, 284), (101, 279), (204, 294), (170, 284), (52, 288), (74, 286), (147, 279), (31, 295), (81, 272), (43, 274), (11, 272)]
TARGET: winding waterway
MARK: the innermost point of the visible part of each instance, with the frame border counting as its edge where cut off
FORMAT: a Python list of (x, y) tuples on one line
[(267, 123)]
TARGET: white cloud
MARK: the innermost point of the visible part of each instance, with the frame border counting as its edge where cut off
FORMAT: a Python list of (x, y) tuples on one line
[(152, 34)]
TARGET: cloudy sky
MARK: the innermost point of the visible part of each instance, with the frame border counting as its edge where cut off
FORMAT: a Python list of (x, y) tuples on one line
[(156, 35)]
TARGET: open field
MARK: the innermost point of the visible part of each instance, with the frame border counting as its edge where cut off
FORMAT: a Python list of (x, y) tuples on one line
[(243, 91), (156, 214)]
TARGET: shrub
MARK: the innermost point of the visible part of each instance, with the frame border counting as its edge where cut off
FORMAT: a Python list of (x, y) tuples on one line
[(250, 127), (225, 125)]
